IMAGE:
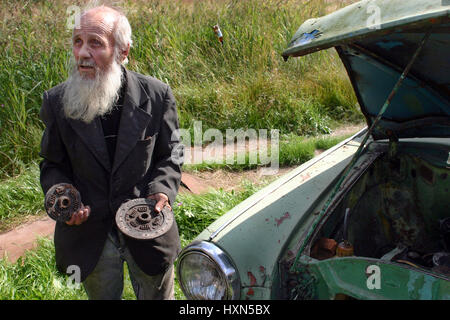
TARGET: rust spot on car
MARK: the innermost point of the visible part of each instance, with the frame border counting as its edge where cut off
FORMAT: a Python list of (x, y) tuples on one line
[(250, 292), (262, 271), (282, 218), (324, 248), (305, 177), (252, 279)]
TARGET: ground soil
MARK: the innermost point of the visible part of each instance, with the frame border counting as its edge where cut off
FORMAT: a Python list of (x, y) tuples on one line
[(14, 243)]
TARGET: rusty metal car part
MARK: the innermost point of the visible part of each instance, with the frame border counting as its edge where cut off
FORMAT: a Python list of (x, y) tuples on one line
[(441, 259), (441, 262), (344, 249), (324, 248), (137, 219), (61, 201)]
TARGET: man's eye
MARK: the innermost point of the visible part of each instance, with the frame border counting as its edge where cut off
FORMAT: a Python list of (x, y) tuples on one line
[(77, 41), (96, 42)]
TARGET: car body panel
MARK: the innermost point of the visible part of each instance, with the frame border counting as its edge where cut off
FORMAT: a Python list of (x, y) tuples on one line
[(376, 57), (270, 221), (354, 22), (434, 150), (417, 110), (247, 206), (351, 276)]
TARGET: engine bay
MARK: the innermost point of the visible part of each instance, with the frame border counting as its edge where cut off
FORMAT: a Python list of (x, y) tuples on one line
[(397, 211)]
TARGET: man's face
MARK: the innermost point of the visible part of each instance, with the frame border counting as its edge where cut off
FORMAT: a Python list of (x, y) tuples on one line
[(93, 44), (93, 85)]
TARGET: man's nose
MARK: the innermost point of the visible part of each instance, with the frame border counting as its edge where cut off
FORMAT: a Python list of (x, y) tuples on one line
[(84, 52)]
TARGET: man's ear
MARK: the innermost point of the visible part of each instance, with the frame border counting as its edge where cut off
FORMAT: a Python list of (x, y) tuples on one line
[(124, 53)]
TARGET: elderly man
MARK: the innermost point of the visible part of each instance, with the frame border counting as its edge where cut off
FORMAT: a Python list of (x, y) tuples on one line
[(109, 133)]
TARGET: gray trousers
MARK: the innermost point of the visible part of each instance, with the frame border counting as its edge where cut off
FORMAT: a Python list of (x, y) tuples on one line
[(106, 281)]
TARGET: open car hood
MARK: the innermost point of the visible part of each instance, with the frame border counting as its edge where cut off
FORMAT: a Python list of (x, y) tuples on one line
[(375, 40)]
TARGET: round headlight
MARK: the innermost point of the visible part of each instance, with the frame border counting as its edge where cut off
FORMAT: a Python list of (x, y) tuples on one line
[(206, 273)]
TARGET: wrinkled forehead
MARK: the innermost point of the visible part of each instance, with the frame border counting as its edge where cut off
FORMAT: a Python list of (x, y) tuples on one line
[(98, 23)]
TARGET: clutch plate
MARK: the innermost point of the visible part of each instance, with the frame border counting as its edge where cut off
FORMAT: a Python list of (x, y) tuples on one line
[(137, 219), (61, 201)]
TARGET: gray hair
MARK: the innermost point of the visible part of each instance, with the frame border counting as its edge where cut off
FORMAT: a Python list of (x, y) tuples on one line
[(122, 36)]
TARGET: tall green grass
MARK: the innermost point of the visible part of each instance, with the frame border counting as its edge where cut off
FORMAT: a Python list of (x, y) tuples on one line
[(243, 83), (293, 150), (20, 196), (296, 150), (34, 277)]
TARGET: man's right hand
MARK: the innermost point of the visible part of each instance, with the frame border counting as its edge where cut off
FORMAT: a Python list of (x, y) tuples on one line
[(79, 217)]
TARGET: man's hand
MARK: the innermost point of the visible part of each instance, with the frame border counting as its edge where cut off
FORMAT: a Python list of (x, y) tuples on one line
[(161, 201), (79, 217)]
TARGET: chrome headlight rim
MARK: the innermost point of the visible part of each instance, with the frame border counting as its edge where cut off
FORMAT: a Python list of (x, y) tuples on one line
[(222, 262)]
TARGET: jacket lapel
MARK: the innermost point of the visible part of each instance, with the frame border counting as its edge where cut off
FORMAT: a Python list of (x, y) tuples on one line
[(92, 135), (133, 120)]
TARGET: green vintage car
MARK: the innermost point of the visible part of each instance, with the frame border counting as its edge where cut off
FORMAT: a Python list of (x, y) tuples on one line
[(369, 218)]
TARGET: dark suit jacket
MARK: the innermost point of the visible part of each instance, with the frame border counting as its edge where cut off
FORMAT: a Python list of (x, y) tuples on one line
[(75, 152)]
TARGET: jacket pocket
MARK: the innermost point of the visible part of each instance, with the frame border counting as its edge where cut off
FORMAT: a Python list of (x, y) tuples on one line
[(147, 140)]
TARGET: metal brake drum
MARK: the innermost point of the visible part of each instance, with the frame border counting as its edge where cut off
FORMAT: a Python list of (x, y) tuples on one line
[(61, 201), (137, 219)]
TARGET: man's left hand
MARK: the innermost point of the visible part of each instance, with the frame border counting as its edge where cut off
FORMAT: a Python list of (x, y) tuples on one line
[(161, 201)]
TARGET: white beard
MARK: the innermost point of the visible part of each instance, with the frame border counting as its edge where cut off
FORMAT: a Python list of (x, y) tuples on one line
[(84, 99)]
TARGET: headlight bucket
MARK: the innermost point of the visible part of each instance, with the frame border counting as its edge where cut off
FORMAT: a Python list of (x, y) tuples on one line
[(205, 272)]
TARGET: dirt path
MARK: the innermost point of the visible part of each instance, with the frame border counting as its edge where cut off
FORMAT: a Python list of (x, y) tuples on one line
[(15, 242)]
